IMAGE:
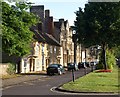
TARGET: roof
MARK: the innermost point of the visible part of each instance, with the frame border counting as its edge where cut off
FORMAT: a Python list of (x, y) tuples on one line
[(58, 24), (51, 40), (45, 38)]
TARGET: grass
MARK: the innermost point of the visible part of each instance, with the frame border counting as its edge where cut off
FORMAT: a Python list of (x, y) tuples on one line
[(7, 76), (96, 82)]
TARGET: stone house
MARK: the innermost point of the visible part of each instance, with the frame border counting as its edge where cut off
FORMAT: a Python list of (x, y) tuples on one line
[(52, 43), (44, 47), (64, 36)]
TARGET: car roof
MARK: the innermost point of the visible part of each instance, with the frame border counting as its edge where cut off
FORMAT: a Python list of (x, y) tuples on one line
[(54, 65)]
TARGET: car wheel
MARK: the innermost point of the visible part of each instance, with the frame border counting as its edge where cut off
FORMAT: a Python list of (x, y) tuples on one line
[(48, 73), (59, 72)]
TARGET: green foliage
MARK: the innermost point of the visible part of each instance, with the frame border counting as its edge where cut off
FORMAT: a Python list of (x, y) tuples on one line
[(116, 51), (98, 23), (11, 68), (16, 23), (100, 65), (110, 59)]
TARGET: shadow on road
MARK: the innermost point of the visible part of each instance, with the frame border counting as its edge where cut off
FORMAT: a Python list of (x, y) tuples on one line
[(35, 73)]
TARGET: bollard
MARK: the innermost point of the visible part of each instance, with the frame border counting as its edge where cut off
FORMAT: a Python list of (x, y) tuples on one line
[(73, 75)]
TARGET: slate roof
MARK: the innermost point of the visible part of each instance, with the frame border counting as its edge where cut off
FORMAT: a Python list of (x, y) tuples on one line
[(45, 38), (58, 24)]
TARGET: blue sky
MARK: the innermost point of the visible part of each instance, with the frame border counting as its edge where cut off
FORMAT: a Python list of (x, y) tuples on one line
[(61, 8)]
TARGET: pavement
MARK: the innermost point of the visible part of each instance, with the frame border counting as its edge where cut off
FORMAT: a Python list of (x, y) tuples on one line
[(20, 79)]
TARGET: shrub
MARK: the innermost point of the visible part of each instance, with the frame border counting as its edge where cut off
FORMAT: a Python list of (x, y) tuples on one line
[(110, 59), (11, 68), (100, 65)]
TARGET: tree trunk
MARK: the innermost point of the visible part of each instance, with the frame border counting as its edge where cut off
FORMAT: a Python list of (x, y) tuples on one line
[(104, 56)]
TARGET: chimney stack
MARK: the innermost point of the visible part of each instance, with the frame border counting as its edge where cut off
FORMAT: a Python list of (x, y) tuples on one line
[(38, 10), (51, 25), (61, 20), (47, 13)]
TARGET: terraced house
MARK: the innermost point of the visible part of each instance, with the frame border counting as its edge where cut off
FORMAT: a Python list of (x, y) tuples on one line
[(52, 43)]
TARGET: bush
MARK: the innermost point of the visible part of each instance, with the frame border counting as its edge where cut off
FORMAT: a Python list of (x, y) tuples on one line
[(100, 65), (110, 59), (11, 68)]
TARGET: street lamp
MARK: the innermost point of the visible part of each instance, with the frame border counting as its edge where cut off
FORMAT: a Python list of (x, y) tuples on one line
[(74, 38)]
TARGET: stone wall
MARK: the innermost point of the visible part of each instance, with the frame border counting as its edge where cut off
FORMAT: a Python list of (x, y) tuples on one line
[(3, 68)]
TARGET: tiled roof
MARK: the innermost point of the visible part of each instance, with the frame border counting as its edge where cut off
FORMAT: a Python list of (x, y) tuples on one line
[(58, 24), (45, 38)]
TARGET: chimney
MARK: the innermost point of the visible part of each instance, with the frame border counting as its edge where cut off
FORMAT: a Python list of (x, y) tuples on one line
[(47, 13), (38, 10), (61, 20), (51, 25)]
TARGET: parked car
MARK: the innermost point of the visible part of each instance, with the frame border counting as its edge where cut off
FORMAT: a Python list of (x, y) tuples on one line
[(93, 63), (55, 69), (118, 62), (71, 66), (83, 65)]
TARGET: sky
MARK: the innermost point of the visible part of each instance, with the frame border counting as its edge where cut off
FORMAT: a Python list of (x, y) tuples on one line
[(61, 8)]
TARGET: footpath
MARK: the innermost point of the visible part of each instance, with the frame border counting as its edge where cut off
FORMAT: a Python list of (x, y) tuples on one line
[(20, 79)]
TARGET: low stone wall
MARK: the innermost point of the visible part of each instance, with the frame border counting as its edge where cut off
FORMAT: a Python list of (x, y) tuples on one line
[(3, 68)]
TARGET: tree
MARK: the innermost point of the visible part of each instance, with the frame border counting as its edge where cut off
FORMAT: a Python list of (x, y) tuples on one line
[(16, 23), (101, 25), (116, 51)]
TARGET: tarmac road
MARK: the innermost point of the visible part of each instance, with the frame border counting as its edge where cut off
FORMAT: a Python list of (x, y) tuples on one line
[(42, 86)]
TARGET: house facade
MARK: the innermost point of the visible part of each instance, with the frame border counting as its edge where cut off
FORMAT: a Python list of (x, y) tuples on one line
[(53, 43)]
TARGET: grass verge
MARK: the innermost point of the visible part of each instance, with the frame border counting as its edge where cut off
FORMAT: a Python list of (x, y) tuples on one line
[(10, 76), (96, 82)]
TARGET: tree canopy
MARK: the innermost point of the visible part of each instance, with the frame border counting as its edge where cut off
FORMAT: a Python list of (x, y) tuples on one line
[(16, 23), (99, 23)]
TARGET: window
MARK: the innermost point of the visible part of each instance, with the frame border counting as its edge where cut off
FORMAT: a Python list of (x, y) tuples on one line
[(55, 49), (50, 49)]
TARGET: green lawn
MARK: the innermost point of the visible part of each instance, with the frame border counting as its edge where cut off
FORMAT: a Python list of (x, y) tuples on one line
[(95, 82)]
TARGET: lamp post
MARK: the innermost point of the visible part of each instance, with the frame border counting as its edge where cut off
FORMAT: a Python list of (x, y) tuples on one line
[(74, 38)]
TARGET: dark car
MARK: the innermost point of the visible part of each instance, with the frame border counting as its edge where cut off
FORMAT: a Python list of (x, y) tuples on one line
[(71, 66), (93, 63), (83, 65), (55, 69)]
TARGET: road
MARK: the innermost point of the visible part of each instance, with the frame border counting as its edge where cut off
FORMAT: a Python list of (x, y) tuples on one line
[(42, 86)]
